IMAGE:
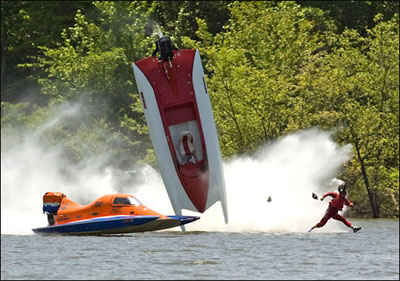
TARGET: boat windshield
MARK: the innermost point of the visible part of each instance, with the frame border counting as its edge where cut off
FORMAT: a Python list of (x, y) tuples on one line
[(127, 201), (134, 201)]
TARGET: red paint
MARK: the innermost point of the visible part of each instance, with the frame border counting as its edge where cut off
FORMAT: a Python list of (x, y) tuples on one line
[(186, 145), (179, 114)]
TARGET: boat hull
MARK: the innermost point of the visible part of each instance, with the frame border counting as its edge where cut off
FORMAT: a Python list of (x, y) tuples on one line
[(175, 99), (170, 222), (104, 225), (115, 225)]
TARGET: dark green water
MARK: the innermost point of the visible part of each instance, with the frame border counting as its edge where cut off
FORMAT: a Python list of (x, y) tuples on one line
[(372, 253)]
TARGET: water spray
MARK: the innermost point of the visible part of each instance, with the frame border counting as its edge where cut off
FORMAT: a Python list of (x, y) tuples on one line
[(286, 171)]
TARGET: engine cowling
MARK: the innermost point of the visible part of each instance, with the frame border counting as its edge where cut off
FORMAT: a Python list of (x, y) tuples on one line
[(52, 201)]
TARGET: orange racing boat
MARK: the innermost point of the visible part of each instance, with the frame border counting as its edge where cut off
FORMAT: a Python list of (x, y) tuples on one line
[(109, 214)]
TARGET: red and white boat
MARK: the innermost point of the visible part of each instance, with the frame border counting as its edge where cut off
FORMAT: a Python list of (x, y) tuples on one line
[(179, 116)]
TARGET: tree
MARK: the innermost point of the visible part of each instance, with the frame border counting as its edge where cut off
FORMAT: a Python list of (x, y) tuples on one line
[(358, 15), (252, 71), (92, 65), (178, 18), (355, 89), (26, 25)]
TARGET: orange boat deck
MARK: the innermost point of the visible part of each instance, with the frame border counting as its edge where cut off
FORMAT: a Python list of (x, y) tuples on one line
[(107, 205)]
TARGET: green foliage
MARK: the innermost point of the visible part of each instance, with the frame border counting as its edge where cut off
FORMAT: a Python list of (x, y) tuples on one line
[(358, 15), (253, 68), (97, 141), (178, 19), (93, 64), (26, 25), (15, 115), (355, 89)]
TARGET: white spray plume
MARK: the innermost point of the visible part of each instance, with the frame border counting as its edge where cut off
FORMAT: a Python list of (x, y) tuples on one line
[(288, 170)]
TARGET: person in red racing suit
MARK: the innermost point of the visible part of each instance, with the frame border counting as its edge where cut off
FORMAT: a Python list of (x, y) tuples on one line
[(336, 205)]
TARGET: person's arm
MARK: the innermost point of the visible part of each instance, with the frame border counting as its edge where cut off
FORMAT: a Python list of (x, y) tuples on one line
[(327, 194), (348, 203)]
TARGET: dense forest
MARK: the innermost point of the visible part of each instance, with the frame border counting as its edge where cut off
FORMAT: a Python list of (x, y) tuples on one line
[(272, 68)]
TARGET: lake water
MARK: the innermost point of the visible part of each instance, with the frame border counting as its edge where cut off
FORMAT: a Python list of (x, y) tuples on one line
[(372, 253), (263, 240)]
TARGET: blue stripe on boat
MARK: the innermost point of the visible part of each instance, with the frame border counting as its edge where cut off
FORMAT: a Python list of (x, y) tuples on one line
[(184, 219), (96, 224)]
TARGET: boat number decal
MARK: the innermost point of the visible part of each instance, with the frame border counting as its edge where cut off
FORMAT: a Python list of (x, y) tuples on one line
[(98, 204), (205, 85), (144, 102)]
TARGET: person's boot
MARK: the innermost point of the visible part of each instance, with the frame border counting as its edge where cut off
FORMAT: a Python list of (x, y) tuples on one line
[(312, 228), (355, 228)]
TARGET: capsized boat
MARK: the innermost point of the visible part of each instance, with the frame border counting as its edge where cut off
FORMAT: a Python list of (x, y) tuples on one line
[(109, 214), (178, 112)]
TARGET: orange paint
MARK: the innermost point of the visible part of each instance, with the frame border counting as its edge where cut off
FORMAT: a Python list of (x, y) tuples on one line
[(107, 205), (53, 197)]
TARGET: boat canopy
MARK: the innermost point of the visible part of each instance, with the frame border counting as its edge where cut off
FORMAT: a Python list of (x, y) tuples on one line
[(126, 200)]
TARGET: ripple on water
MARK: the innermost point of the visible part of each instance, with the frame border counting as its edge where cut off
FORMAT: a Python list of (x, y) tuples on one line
[(199, 262), (202, 255)]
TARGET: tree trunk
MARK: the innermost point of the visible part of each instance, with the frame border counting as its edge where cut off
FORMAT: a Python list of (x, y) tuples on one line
[(372, 196)]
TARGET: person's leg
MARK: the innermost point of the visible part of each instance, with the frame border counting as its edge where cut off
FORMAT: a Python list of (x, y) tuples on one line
[(323, 221), (328, 215), (346, 222), (342, 219)]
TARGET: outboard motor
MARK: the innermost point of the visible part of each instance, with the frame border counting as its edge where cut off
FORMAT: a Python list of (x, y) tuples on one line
[(51, 204), (165, 47)]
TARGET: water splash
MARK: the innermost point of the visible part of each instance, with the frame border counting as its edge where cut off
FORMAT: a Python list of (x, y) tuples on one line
[(288, 171)]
